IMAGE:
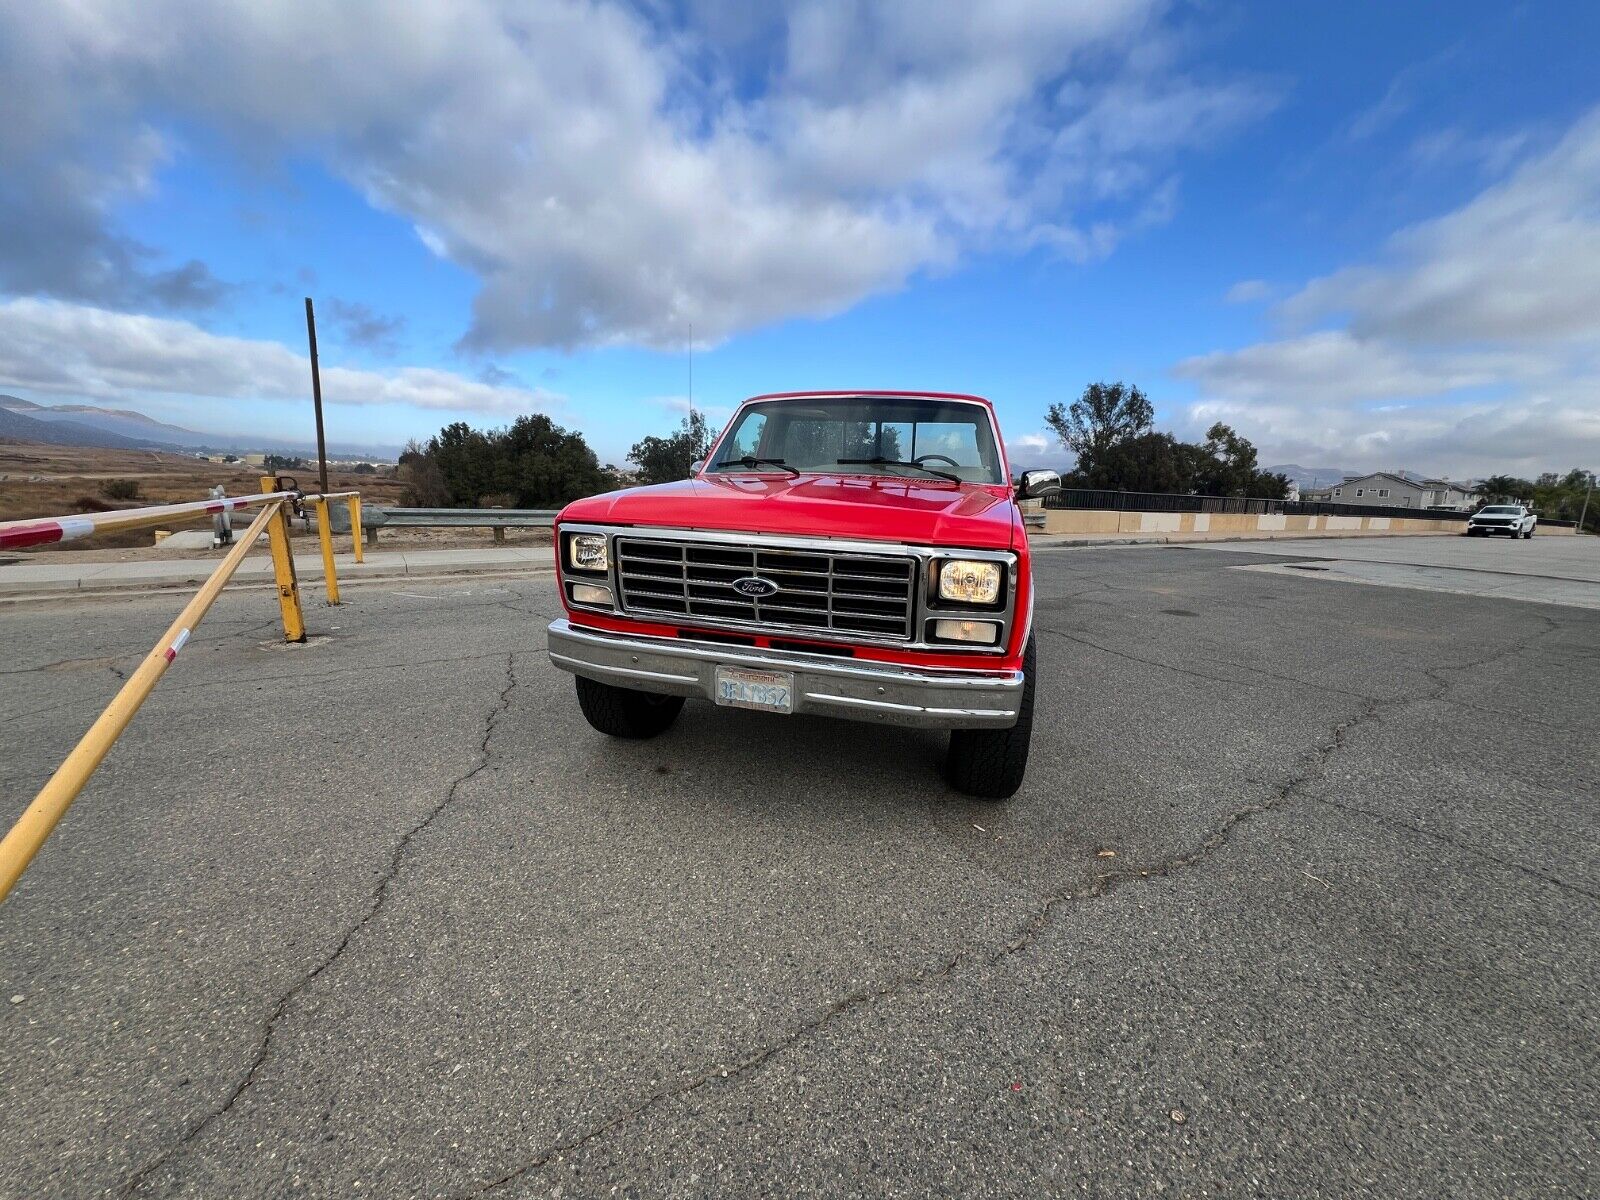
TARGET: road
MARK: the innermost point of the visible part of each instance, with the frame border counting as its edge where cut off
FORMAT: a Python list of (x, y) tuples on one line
[(1300, 899)]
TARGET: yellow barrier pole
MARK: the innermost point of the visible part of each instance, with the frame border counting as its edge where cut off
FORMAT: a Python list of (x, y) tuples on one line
[(325, 536), (39, 818), (294, 622), (355, 526)]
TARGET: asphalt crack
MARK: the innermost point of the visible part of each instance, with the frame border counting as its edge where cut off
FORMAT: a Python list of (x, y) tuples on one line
[(1206, 676), (1024, 937), (1457, 844), (1313, 765), (375, 905)]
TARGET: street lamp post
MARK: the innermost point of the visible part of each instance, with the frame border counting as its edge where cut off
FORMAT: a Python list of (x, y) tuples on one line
[(1589, 492)]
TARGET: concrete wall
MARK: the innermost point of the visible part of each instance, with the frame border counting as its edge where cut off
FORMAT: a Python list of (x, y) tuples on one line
[(1092, 521)]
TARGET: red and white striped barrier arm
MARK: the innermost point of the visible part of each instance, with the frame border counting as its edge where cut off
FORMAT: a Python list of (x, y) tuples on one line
[(14, 535)]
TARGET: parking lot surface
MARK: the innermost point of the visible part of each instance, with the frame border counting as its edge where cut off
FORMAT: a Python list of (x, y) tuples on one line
[(1300, 898)]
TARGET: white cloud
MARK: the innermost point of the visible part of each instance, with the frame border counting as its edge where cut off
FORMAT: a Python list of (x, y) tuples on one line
[(609, 176), (1248, 291), (1334, 368), (1471, 344), (1521, 436), (1520, 263), (51, 346), (1030, 450)]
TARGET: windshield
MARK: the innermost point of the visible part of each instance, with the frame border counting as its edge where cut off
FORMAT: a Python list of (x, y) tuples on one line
[(1501, 509), (909, 437)]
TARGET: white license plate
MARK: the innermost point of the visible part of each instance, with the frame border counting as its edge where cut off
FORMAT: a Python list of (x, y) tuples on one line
[(769, 691)]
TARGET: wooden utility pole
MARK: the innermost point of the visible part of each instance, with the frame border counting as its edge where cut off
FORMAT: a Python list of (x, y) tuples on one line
[(316, 397)]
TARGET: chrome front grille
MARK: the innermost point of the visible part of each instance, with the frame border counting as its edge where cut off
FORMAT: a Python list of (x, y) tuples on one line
[(817, 591)]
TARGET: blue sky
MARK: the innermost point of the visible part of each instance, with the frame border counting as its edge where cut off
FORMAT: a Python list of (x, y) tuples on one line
[(1367, 235)]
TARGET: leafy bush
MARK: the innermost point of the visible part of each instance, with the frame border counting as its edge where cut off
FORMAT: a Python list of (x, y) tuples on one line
[(120, 489), (663, 460), (534, 463)]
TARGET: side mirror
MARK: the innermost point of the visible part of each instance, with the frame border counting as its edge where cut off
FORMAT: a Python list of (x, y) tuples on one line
[(696, 467), (1038, 483)]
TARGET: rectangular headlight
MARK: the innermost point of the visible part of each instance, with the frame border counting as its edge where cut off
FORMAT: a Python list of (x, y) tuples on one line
[(969, 582), (591, 593), (587, 552)]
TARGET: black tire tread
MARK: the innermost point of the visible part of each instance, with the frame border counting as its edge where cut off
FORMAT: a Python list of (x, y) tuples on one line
[(625, 713), (990, 763)]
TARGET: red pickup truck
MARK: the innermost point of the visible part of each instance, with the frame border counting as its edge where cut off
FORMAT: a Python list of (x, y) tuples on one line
[(845, 554)]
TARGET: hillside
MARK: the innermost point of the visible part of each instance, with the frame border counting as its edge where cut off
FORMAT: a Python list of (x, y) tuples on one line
[(48, 481), (15, 425), (126, 427)]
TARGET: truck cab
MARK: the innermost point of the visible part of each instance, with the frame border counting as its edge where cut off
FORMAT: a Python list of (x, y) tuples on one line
[(857, 555)]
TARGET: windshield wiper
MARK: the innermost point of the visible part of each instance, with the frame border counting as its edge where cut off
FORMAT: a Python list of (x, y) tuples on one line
[(894, 462), (750, 463)]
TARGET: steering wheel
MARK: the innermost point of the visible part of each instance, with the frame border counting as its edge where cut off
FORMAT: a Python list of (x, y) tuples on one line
[(944, 458)]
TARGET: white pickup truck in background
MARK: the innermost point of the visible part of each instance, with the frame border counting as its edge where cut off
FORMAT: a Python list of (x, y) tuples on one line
[(1517, 520)]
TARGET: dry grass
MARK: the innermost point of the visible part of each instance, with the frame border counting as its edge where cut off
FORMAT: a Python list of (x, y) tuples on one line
[(52, 481)]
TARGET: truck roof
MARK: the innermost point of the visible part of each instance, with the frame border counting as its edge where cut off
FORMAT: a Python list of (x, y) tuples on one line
[(871, 392)]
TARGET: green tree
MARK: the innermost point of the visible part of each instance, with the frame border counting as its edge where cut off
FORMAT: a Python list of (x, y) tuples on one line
[(1562, 498), (1226, 466), (662, 460), (1150, 462), (544, 465), (1505, 489), (423, 480), (534, 463), (1106, 416)]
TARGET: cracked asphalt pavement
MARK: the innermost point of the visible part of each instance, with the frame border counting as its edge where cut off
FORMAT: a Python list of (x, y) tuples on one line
[(1299, 899)]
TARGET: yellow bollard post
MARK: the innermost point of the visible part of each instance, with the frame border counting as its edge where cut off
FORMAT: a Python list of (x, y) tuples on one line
[(294, 621), (355, 527), (325, 536)]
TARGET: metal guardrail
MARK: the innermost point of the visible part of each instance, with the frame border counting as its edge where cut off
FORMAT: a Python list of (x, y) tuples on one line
[(39, 819), (497, 519)]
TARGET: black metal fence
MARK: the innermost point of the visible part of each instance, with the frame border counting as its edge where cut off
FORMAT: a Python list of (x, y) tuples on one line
[(1092, 498), (1117, 501)]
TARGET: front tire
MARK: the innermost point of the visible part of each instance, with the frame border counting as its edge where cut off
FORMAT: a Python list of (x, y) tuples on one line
[(990, 763), (625, 713)]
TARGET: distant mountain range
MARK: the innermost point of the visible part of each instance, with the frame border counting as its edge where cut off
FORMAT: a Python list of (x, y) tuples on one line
[(122, 422), (125, 429), (24, 427), (1309, 477), (1306, 477)]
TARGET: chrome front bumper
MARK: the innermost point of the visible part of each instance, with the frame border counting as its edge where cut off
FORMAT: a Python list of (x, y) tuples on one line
[(855, 689)]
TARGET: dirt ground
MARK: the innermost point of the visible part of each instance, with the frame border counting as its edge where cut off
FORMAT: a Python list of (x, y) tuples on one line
[(51, 481)]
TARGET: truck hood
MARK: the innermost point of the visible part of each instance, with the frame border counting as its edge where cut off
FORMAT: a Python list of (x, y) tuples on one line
[(934, 512)]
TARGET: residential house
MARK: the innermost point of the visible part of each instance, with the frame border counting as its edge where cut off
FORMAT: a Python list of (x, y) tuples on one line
[(1382, 488), (1458, 497)]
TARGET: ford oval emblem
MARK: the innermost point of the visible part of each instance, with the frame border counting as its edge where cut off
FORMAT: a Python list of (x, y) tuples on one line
[(755, 587)]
